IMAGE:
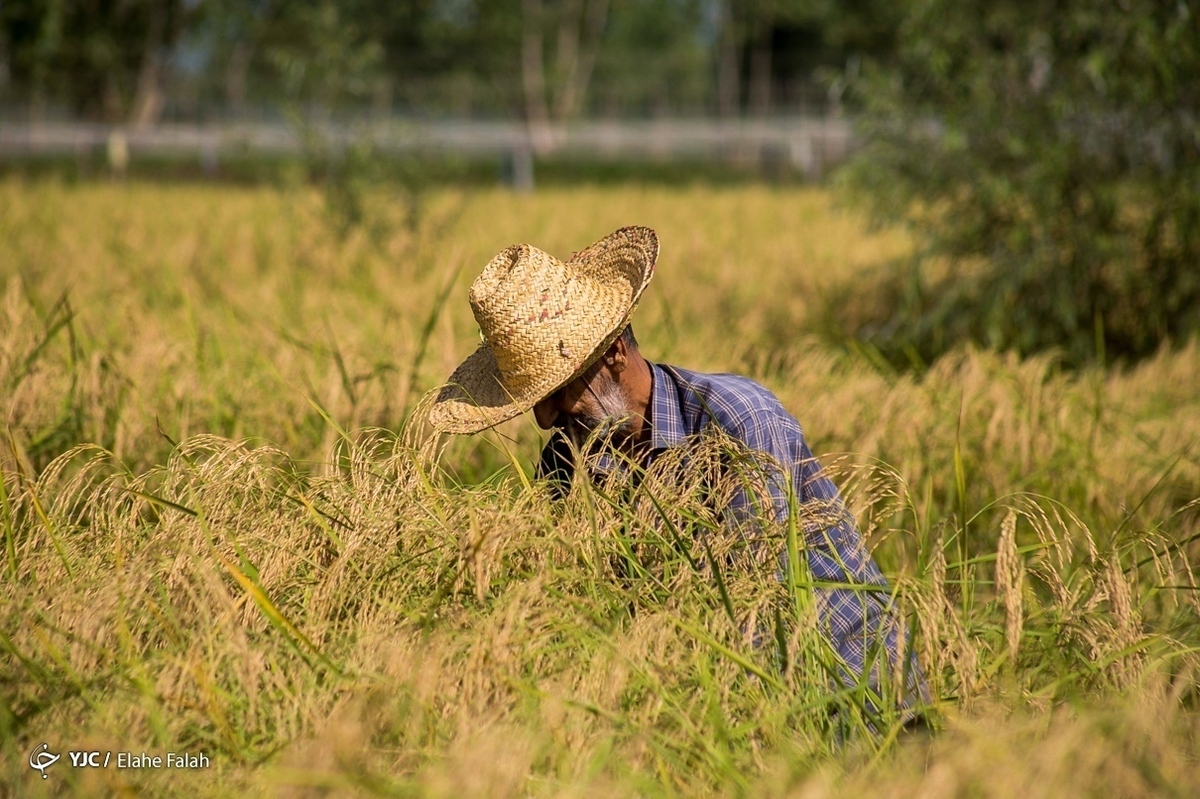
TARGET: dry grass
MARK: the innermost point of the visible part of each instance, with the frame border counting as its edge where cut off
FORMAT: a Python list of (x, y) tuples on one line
[(197, 557)]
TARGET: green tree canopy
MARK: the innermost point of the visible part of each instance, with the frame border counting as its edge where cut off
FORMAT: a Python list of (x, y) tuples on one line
[(1049, 153)]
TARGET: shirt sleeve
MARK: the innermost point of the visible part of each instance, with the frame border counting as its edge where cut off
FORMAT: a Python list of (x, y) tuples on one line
[(836, 549), (763, 495), (857, 621)]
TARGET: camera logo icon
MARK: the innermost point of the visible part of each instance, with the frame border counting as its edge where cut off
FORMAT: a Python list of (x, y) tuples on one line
[(41, 758)]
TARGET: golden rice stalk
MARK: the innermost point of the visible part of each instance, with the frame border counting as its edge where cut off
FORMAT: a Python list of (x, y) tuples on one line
[(1127, 621), (1010, 576)]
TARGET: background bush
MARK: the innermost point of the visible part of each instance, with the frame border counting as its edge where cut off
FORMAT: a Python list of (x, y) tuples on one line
[(1047, 157)]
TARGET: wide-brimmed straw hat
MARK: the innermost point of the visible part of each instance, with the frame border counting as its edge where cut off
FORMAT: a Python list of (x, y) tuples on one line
[(544, 322)]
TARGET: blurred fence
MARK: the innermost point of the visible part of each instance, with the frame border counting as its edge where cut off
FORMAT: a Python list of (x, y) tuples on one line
[(808, 145)]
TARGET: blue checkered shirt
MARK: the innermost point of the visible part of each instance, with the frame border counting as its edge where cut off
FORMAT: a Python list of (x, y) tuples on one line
[(682, 405)]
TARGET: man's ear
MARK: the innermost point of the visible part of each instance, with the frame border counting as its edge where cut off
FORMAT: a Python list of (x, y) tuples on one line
[(616, 357)]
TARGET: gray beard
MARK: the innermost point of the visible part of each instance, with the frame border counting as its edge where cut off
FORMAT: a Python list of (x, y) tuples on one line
[(615, 426)]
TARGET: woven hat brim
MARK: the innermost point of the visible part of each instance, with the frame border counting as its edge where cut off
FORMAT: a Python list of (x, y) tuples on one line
[(475, 397)]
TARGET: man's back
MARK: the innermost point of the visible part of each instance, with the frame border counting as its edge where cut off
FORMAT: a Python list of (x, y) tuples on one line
[(686, 405)]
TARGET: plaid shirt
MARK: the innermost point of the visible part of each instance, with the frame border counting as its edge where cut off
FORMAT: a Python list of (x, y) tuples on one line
[(682, 405)]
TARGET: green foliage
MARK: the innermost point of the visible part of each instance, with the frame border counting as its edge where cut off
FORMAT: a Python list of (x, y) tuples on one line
[(651, 61), (1047, 155), (99, 57), (321, 52)]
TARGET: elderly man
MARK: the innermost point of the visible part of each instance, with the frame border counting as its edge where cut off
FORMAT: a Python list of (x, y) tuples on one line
[(557, 342)]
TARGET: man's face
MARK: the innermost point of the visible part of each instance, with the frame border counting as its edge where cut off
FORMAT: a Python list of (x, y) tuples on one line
[(593, 401)]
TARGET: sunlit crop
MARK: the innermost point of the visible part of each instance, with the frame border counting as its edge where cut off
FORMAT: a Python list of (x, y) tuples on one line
[(225, 529)]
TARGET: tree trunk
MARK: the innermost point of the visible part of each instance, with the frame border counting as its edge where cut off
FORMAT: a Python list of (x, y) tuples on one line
[(727, 63), (113, 102), (579, 38), (760, 74), (566, 53), (5, 71), (235, 77), (148, 101), (533, 77)]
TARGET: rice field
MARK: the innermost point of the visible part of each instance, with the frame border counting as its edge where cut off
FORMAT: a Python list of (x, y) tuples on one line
[(226, 531)]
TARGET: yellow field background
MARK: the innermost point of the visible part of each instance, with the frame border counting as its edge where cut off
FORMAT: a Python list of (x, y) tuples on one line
[(220, 534)]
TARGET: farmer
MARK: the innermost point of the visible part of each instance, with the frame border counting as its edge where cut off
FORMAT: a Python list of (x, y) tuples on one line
[(557, 342)]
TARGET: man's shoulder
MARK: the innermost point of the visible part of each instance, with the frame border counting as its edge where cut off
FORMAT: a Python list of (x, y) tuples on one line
[(728, 399), (741, 407)]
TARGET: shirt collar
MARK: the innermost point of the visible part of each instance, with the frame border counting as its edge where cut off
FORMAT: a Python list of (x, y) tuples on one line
[(667, 428)]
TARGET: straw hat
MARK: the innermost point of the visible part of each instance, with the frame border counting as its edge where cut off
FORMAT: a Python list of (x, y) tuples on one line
[(544, 322)]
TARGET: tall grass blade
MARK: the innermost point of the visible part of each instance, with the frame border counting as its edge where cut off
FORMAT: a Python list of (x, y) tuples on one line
[(435, 313), (50, 531), (59, 317), (732, 654), (10, 530), (278, 620)]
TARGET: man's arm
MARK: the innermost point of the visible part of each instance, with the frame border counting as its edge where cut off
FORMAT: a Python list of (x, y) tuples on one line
[(791, 473), (857, 620)]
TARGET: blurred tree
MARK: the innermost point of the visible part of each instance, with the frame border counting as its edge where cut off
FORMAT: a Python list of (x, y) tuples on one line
[(1049, 153), (656, 59), (542, 60), (554, 89), (5, 77), (771, 50), (324, 52), (104, 58), (231, 35), (761, 19), (452, 56)]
